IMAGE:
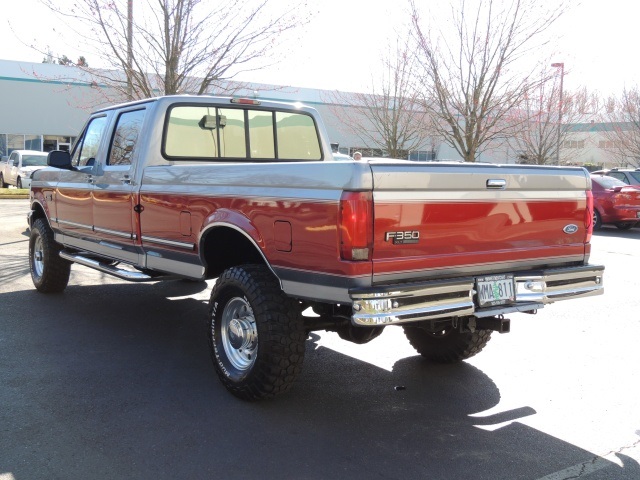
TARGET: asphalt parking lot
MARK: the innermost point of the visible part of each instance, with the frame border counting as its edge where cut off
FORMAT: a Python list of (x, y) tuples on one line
[(114, 380)]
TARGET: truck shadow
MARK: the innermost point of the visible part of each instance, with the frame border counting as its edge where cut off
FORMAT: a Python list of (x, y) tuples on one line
[(115, 381), (14, 268)]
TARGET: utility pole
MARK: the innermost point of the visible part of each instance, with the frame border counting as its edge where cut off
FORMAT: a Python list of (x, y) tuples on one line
[(561, 67), (129, 49)]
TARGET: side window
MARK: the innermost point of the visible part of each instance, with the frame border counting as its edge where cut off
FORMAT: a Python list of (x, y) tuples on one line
[(297, 137), (125, 137), (261, 134), (87, 147), (619, 176), (192, 132), (232, 139), (13, 159)]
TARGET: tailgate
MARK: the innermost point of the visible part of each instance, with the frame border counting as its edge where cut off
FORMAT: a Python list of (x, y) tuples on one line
[(446, 220)]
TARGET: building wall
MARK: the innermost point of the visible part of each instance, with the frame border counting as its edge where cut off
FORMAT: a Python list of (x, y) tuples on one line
[(45, 103), (41, 103)]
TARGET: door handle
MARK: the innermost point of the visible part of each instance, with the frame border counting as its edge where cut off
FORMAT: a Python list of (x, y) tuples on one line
[(496, 184), (126, 179), (91, 180)]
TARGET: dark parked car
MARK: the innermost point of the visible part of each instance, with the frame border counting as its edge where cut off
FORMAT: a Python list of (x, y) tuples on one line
[(627, 175), (615, 203)]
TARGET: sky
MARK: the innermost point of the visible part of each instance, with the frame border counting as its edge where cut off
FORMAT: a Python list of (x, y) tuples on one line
[(340, 48)]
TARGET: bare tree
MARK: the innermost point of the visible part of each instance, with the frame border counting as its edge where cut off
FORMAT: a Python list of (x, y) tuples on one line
[(473, 73), (390, 118), (622, 138), (178, 46), (537, 132), (64, 60)]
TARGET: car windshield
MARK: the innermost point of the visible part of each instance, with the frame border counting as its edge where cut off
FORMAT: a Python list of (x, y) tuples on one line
[(608, 182), (34, 161)]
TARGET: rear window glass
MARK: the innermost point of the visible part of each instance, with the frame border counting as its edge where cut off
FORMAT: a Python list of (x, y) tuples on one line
[(608, 182), (199, 132)]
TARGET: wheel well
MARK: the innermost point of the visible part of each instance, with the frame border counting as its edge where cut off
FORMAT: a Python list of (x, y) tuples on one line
[(38, 212), (597, 211), (225, 247)]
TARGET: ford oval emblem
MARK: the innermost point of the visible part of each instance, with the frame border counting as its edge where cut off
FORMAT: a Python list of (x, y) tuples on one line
[(569, 229)]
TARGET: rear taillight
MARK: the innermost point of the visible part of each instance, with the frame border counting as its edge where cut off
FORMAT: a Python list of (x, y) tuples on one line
[(588, 217), (356, 225)]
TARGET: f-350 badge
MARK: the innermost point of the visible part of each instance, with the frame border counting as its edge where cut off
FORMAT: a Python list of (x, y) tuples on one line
[(402, 238)]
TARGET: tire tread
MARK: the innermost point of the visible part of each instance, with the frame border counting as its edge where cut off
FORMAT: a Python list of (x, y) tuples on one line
[(451, 348), (56, 270), (280, 331)]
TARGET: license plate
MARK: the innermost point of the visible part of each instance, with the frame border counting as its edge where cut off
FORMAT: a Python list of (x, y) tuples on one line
[(637, 214), (495, 290)]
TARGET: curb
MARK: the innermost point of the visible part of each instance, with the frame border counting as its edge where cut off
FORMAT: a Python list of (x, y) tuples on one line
[(13, 197)]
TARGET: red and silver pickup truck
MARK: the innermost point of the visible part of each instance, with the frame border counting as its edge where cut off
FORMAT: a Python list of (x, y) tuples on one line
[(248, 192)]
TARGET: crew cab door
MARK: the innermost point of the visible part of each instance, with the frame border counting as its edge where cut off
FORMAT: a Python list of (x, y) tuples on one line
[(74, 212), (114, 192)]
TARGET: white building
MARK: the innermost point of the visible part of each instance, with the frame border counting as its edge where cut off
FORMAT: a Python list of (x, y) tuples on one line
[(46, 105)]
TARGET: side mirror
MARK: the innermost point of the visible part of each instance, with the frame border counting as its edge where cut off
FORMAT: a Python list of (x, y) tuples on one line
[(59, 159)]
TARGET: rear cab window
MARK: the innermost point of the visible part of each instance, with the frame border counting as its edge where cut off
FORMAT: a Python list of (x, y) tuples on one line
[(214, 133)]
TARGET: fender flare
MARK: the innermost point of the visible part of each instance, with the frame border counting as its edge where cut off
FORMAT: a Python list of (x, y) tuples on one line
[(226, 218), (37, 203)]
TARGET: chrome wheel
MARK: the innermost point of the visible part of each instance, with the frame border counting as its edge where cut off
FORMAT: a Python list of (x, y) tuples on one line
[(37, 258), (239, 335)]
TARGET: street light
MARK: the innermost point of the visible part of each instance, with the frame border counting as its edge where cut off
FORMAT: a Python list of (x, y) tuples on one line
[(561, 67)]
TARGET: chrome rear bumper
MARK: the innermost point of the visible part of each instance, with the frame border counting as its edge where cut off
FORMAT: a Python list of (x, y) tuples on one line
[(404, 303)]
